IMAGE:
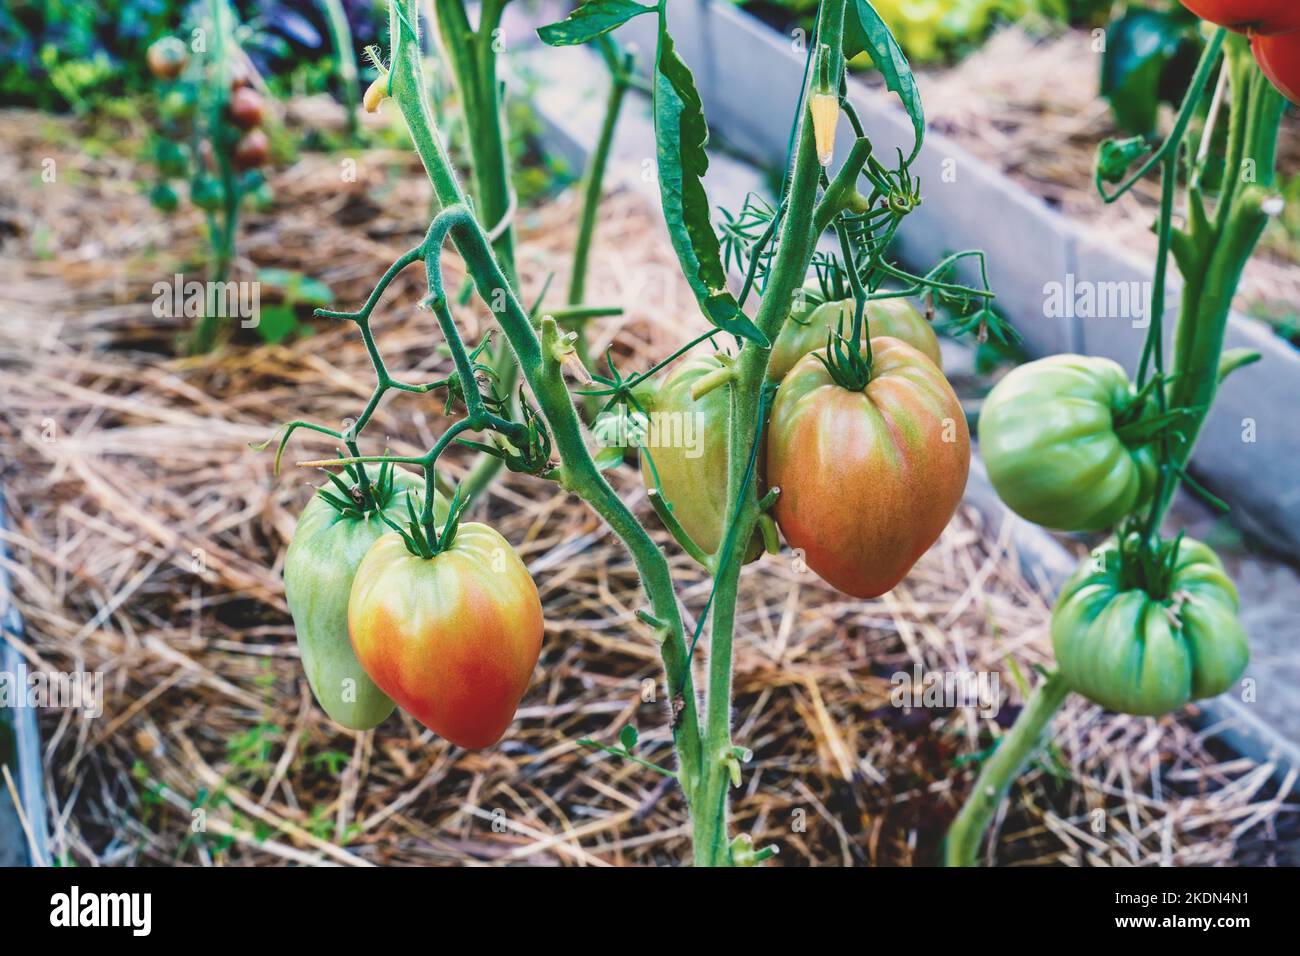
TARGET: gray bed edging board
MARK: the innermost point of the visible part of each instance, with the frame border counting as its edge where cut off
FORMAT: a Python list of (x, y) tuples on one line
[(15, 848), (570, 104), (748, 76)]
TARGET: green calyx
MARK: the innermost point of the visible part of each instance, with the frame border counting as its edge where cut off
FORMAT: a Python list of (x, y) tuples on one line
[(848, 366), (420, 535), (361, 498)]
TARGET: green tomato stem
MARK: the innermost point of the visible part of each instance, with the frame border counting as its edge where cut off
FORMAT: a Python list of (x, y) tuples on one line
[(592, 188), (961, 848), (1216, 254), (336, 19), (787, 272)]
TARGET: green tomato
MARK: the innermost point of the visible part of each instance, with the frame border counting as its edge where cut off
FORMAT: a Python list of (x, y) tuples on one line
[(164, 197), (1128, 651), (322, 559), (804, 333), (1047, 435), (687, 451), (205, 193), (177, 105), (170, 158)]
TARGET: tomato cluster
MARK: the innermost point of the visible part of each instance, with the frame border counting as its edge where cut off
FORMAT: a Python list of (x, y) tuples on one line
[(239, 136), (452, 639), (1274, 29), (1067, 445), (868, 476)]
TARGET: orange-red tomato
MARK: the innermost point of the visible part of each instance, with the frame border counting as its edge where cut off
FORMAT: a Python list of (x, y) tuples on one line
[(868, 478), (1253, 16), (166, 58), (246, 107), (252, 150), (451, 639), (1279, 58)]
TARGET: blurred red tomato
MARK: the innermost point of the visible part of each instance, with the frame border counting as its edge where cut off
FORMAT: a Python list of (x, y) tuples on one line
[(1279, 58), (1253, 16)]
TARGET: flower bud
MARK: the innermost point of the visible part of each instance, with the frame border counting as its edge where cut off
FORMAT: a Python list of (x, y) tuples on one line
[(826, 117)]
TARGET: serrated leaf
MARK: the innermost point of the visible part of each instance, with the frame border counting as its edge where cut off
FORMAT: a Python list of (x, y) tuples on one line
[(628, 737), (594, 18), (866, 32), (681, 135)]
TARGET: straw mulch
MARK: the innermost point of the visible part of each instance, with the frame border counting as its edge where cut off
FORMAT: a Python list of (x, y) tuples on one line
[(1029, 105), (148, 539)]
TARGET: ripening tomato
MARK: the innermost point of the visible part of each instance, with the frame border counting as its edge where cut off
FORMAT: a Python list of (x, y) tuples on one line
[(453, 638), (868, 478), (1047, 435), (1253, 16), (894, 318), (252, 150), (688, 447), (166, 58), (246, 107), (1279, 58), (1136, 653), (323, 556)]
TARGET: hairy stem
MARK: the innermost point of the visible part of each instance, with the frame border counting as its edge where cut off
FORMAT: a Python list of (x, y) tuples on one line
[(961, 848), (788, 269)]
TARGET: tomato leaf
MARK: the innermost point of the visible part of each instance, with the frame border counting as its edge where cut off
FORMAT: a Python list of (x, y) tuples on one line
[(594, 18), (866, 32), (1140, 46), (276, 323), (628, 737), (681, 135)]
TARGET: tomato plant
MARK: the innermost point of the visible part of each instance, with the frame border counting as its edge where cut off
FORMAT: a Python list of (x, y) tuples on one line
[(1051, 435), (1279, 58), (1148, 639), (896, 318), (333, 534), (868, 476), (447, 622), (452, 638), (1254, 16), (205, 102), (1147, 625)]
